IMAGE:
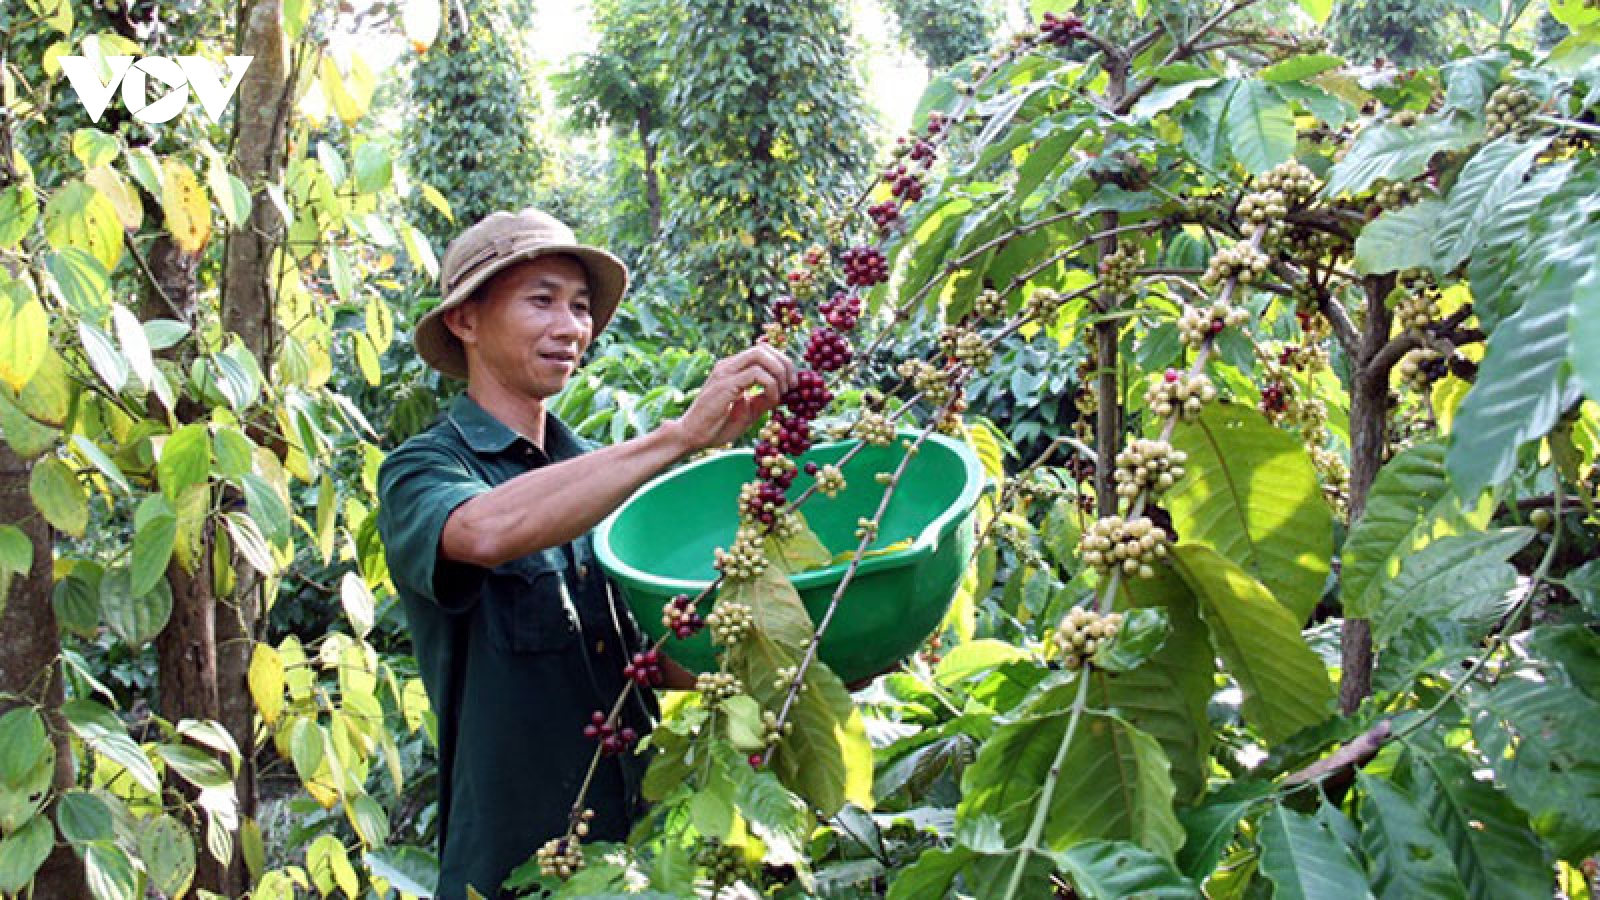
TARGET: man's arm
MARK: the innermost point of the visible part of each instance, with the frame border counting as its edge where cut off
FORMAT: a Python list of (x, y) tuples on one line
[(555, 504)]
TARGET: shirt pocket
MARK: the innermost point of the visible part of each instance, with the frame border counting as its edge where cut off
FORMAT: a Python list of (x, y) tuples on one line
[(526, 604)]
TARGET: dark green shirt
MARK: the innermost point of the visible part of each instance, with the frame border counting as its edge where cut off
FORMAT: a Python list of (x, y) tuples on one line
[(515, 658)]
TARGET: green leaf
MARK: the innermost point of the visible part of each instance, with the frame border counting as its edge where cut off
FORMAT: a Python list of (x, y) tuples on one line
[(76, 600), (931, 875), (94, 148), (1318, 10), (84, 818), (369, 819), (185, 460), (107, 466), (1260, 126), (133, 617), (1212, 824), (25, 748), (1114, 870), (111, 874), (1143, 632), (155, 532), (1399, 239), (1518, 395), (1285, 685), (1251, 492), (1460, 578), (1494, 850), (104, 357), (1115, 784), (1392, 153), (266, 508), (1409, 859), (22, 852), (19, 209), (59, 496), (374, 167), (1585, 327), (779, 818), (1497, 268), (104, 733), (1538, 731), (82, 281), (1304, 861), (1302, 66), (1485, 183), (16, 550), (1409, 505), (410, 870)]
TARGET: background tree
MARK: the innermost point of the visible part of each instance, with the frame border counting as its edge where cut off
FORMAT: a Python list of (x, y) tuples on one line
[(764, 138), (944, 32)]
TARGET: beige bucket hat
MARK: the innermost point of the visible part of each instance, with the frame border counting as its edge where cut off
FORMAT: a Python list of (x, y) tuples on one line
[(498, 241)]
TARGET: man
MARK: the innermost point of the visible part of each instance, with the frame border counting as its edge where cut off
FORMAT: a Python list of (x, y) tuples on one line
[(485, 518)]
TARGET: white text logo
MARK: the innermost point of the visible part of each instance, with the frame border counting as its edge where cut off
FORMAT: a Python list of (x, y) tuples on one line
[(187, 72)]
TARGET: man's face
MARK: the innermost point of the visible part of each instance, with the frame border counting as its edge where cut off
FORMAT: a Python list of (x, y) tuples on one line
[(529, 325)]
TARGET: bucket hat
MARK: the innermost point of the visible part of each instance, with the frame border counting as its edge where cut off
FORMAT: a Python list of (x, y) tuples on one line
[(500, 240)]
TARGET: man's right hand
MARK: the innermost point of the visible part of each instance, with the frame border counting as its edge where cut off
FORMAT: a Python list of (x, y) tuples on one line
[(724, 410)]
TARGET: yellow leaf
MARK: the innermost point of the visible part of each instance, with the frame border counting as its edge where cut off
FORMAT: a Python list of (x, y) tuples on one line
[(24, 337), (124, 199), (350, 92), (187, 209), (421, 21), (266, 682), (437, 201), (80, 216), (380, 323), (367, 358)]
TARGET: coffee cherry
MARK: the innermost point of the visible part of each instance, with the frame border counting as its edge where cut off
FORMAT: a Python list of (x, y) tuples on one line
[(1263, 207), (864, 266), (680, 618), (1082, 632), (1043, 305), (1314, 326), (866, 529), (990, 306), (1275, 396), (830, 481), (1180, 394), (965, 345), (1197, 325), (1297, 183), (644, 669), (1147, 465), (1421, 367), (744, 560), (1418, 305), (843, 311), (1541, 519), (730, 622), (932, 382), (1061, 31), (1241, 261), (1133, 546), (884, 215), (724, 864), (771, 732), (903, 184), (717, 686), (1509, 110), (560, 858), (1119, 268), (827, 350), (874, 428), (1395, 194)]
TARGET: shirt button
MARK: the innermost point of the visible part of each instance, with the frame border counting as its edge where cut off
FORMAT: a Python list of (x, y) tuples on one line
[(599, 647), (583, 570)]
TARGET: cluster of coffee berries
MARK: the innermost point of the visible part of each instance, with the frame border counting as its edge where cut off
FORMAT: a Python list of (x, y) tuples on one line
[(1021, 544), (717, 686), (644, 668), (1043, 304), (809, 396), (827, 350), (746, 558), (1132, 546), (1061, 30), (772, 731), (1275, 396), (724, 864), (761, 501), (919, 150), (1314, 326), (903, 184), (1148, 465), (965, 345), (1241, 261), (874, 428), (1179, 393), (1297, 183), (781, 434), (843, 311), (932, 382), (830, 480), (866, 529), (1509, 110), (1418, 306), (864, 266), (1303, 358), (1197, 325), (1082, 632), (730, 622), (1119, 268), (680, 617), (613, 740), (786, 676), (1395, 194), (1266, 207), (884, 215), (1335, 476), (990, 306), (563, 856), (1421, 367), (1035, 487)]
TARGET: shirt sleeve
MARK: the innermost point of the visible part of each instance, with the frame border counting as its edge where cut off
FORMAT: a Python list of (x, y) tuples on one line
[(419, 486)]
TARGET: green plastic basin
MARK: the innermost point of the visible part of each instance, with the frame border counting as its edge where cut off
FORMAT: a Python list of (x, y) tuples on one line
[(660, 543)]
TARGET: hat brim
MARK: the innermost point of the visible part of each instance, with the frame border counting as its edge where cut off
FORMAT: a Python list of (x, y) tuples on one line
[(608, 281)]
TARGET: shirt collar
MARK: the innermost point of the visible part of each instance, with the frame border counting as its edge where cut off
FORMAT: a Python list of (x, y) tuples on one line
[(487, 435)]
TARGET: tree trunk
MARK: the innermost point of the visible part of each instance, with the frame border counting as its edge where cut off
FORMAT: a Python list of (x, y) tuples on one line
[(30, 664), (1369, 445), (652, 182)]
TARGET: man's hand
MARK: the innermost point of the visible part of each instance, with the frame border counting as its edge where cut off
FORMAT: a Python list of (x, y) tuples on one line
[(724, 410)]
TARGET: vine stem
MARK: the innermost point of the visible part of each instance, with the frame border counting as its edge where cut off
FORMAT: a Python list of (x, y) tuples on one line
[(1030, 844)]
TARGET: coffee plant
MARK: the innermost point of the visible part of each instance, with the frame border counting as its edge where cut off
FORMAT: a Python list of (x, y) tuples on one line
[(1293, 594)]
